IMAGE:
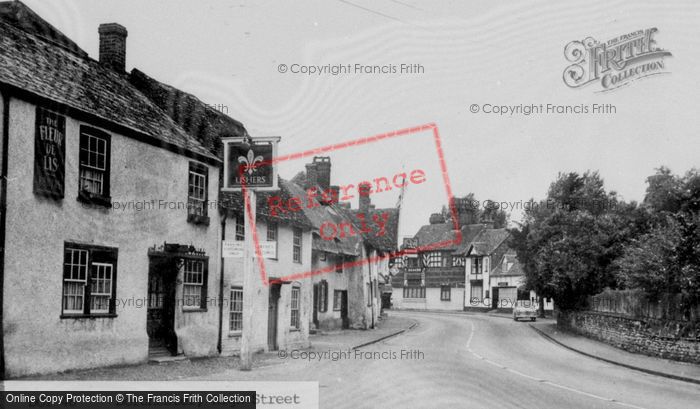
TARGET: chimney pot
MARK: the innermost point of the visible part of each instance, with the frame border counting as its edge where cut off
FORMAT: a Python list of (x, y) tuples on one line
[(323, 169), (436, 218), (113, 46)]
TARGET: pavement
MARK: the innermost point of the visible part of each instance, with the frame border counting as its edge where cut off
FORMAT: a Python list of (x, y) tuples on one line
[(440, 360), (391, 325), (173, 370), (468, 361), (657, 366)]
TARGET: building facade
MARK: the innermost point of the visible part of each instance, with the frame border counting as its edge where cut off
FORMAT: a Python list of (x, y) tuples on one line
[(281, 308), (433, 279), (347, 259), (109, 243)]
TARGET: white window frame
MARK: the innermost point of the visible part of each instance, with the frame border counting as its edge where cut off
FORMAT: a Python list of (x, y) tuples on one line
[(273, 234), (240, 228), (197, 193), (433, 259), (294, 307), (97, 173), (297, 241), (192, 279), (95, 283), (76, 279), (236, 310)]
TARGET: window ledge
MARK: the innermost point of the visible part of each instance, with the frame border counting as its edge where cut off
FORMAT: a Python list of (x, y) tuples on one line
[(83, 316), (94, 199), (194, 309), (294, 330), (198, 219), (236, 334)]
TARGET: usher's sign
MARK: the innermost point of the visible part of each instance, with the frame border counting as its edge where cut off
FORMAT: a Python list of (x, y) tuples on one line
[(249, 163), (49, 153)]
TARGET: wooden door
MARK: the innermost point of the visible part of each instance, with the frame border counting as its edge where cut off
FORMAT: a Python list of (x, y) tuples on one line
[(272, 317), (160, 320), (344, 309), (315, 302)]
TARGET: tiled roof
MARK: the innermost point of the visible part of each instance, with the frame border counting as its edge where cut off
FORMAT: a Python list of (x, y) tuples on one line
[(443, 232), (335, 214), (388, 240), (486, 242), (21, 16), (198, 119), (436, 233), (502, 268), (233, 201), (56, 71)]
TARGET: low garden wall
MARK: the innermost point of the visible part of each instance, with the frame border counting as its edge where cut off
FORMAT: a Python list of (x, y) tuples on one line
[(625, 319)]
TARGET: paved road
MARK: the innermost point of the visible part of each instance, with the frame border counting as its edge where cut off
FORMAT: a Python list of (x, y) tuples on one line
[(476, 361)]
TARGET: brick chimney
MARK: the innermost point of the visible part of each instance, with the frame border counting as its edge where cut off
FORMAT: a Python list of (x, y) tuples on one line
[(311, 176), (113, 46), (436, 218), (365, 203), (323, 168)]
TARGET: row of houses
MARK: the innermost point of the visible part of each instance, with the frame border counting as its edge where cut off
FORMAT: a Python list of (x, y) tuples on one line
[(112, 219), (459, 266)]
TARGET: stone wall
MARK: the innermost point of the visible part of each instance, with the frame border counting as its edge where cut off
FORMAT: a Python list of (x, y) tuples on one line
[(677, 340)]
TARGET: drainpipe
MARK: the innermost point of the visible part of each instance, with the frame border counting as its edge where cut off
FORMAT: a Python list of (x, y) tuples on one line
[(3, 216), (219, 346)]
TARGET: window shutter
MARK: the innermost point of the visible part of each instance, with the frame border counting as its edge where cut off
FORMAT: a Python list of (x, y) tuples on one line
[(325, 296), (108, 165), (205, 283)]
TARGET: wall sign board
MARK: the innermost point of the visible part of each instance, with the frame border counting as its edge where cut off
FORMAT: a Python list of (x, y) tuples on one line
[(49, 154)]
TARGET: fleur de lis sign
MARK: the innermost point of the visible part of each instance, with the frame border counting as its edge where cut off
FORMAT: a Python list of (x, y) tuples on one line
[(250, 161)]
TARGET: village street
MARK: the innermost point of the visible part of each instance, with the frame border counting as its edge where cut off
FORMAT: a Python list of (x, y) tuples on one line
[(471, 361)]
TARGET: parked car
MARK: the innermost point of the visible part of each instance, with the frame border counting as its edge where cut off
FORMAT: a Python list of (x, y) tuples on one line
[(525, 309)]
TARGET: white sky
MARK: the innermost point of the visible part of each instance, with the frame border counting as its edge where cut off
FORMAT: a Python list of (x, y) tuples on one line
[(227, 52)]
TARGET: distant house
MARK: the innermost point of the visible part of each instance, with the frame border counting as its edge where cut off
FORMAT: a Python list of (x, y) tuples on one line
[(436, 272), (434, 278), (346, 262), (495, 279), (379, 250), (110, 245)]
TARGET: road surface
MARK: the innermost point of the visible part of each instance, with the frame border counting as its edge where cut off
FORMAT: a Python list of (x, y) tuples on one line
[(474, 361)]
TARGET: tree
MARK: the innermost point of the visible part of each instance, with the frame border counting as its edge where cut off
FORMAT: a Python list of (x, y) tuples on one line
[(472, 211), (650, 263), (568, 243), (664, 191)]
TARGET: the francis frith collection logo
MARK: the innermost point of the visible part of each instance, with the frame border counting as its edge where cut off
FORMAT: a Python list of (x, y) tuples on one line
[(614, 63)]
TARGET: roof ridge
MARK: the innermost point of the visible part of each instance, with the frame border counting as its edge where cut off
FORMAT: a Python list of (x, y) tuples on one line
[(82, 98), (71, 45)]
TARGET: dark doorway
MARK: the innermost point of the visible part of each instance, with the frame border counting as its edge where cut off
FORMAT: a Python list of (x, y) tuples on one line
[(272, 317), (494, 297), (160, 321), (344, 309), (386, 301), (317, 288)]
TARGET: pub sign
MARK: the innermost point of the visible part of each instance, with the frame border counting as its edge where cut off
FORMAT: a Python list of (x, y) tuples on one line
[(49, 154), (250, 162)]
